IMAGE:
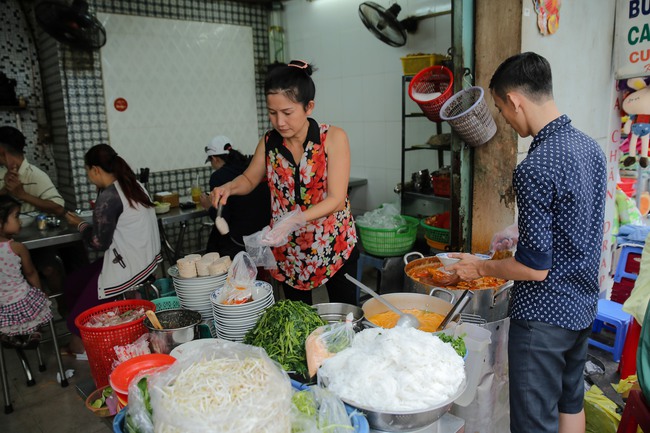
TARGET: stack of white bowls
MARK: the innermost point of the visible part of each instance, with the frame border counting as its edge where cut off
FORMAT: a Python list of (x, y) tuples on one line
[(194, 293), (232, 322)]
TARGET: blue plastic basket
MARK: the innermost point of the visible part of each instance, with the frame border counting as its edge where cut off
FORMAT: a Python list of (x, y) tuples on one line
[(359, 422)]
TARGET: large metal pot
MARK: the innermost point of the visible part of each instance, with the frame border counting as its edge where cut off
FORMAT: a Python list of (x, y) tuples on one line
[(333, 312), (490, 304), (179, 326), (406, 301)]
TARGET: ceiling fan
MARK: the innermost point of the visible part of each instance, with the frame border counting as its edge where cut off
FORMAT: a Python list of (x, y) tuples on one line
[(71, 24), (383, 23)]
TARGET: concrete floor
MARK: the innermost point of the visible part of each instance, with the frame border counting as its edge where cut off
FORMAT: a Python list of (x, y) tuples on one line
[(48, 408)]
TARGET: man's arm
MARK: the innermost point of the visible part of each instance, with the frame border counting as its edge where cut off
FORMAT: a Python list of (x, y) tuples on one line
[(15, 187)]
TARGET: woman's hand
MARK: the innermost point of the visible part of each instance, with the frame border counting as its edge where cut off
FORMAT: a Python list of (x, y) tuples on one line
[(205, 201), (73, 219), (220, 194)]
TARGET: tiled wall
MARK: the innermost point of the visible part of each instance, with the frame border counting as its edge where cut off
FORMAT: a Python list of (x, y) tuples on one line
[(73, 89)]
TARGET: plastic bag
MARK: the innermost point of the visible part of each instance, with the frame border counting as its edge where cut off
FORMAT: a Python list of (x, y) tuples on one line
[(260, 253), (128, 351), (600, 412), (241, 278), (326, 341), (628, 212), (222, 386), (316, 410)]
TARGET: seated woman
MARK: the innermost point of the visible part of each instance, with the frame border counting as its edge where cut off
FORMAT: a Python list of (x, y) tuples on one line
[(244, 214), (124, 228)]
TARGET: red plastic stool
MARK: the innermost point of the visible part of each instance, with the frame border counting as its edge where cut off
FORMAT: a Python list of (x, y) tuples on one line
[(627, 366), (636, 414)]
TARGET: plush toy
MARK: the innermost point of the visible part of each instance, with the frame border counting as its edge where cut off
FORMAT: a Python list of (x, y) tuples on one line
[(637, 105)]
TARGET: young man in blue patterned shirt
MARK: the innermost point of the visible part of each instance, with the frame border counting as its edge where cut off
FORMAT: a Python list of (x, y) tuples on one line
[(560, 189)]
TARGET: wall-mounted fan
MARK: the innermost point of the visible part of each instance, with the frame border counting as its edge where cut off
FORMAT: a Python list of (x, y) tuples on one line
[(383, 23), (71, 24)]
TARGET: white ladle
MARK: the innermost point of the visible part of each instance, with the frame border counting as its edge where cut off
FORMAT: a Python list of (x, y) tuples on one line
[(220, 222), (405, 319)]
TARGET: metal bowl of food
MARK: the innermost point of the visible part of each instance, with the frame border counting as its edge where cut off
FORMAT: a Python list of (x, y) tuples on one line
[(333, 312), (179, 326), (407, 421)]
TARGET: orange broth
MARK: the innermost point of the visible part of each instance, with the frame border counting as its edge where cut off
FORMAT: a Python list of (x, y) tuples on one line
[(429, 321)]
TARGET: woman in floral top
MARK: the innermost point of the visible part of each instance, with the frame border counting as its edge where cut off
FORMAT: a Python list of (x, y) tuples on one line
[(307, 168)]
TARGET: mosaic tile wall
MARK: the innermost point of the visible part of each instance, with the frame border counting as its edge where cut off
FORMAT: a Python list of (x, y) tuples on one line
[(74, 91)]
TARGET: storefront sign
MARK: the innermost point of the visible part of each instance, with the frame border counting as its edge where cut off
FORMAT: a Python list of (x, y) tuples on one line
[(632, 43), (120, 104)]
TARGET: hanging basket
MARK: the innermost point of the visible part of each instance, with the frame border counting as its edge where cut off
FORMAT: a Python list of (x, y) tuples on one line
[(468, 114), (430, 88)]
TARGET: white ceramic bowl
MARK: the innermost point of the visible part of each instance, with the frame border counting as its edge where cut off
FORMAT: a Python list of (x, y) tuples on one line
[(446, 260), (161, 208)]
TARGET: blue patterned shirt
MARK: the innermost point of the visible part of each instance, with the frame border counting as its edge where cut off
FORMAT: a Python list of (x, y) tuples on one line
[(560, 188)]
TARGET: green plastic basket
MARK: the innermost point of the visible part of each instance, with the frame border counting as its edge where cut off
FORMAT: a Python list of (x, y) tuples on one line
[(167, 303), (389, 242), (435, 234)]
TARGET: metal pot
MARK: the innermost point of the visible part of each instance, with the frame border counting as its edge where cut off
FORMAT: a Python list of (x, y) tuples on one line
[(333, 312), (180, 326), (405, 301), (490, 304)]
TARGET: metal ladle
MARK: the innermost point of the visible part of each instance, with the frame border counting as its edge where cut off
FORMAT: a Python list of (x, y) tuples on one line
[(405, 319)]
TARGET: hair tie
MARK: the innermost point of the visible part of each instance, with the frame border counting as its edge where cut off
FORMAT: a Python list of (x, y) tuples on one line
[(300, 64), (227, 147)]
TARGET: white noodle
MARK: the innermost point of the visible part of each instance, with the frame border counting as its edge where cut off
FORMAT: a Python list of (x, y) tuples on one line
[(398, 369)]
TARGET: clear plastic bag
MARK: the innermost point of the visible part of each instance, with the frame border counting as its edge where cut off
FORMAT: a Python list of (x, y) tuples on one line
[(259, 252), (241, 278), (326, 341), (505, 240), (131, 350), (317, 410)]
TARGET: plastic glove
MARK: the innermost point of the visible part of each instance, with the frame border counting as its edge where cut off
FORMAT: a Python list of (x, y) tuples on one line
[(287, 224), (505, 239)]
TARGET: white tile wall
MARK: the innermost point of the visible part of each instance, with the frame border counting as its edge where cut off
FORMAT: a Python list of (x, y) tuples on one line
[(358, 85)]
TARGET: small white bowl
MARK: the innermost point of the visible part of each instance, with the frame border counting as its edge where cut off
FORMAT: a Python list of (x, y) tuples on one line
[(446, 260), (162, 208), (25, 220)]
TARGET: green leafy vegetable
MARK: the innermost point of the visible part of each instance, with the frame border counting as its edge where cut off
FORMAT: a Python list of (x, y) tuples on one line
[(457, 343), (304, 401), (282, 331)]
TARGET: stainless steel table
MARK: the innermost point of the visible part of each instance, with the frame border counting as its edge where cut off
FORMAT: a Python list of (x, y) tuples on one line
[(181, 216), (34, 238)]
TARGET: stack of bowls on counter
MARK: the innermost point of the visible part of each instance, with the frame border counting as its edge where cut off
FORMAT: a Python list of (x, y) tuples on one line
[(232, 322), (195, 277)]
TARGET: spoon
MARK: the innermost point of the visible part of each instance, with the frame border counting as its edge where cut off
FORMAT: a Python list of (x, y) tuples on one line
[(220, 222), (405, 319), (456, 308), (153, 319)]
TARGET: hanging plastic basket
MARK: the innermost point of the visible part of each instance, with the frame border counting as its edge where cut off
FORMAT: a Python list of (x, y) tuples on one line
[(430, 88), (468, 114)]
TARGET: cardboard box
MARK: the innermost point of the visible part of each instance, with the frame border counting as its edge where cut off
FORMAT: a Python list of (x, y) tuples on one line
[(167, 197)]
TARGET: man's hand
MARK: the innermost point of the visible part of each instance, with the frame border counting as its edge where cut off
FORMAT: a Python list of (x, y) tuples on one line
[(13, 184), (468, 267)]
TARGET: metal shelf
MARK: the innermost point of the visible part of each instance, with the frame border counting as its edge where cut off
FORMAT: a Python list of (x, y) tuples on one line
[(428, 147), (429, 197)]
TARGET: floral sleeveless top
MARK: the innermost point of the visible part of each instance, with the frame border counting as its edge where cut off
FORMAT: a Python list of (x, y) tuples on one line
[(317, 251)]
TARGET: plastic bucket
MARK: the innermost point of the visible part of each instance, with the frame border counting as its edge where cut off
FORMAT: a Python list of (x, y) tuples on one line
[(468, 114), (430, 88)]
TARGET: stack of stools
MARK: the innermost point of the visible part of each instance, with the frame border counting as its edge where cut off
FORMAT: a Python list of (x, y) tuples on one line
[(636, 414), (611, 316), (627, 271)]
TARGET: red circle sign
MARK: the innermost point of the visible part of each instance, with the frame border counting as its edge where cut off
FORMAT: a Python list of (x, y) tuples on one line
[(120, 104)]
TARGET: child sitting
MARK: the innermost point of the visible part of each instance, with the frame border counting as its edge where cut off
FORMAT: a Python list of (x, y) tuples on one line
[(23, 306)]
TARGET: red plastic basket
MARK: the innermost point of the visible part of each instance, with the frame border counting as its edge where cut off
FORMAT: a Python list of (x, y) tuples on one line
[(99, 342), (428, 82)]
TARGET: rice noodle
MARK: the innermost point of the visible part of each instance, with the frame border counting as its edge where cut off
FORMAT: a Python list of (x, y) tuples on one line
[(398, 369), (222, 394)]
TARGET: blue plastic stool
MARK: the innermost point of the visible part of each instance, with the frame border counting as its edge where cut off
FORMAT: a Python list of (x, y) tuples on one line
[(611, 315), (620, 272)]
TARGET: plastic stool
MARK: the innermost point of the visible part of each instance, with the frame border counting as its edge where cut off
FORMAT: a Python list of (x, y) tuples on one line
[(636, 414), (611, 314), (367, 260), (621, 266), (627, 366)]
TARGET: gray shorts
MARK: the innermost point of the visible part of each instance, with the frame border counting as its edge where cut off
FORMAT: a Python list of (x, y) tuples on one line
[(546, 366)]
